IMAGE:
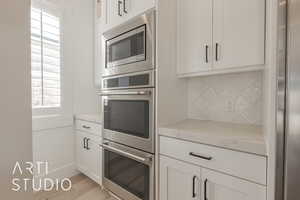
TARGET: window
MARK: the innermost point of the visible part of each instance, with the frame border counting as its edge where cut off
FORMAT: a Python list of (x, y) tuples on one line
[(45, 59)]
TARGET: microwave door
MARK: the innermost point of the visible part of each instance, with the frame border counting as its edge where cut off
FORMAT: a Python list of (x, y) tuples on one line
[(126, 48)]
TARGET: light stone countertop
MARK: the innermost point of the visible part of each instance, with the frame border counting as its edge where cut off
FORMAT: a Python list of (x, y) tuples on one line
[(95, 118), (245, 138)]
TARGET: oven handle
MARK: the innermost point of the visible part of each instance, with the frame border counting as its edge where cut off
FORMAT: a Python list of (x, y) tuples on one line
[(129, 155), (125, 93)]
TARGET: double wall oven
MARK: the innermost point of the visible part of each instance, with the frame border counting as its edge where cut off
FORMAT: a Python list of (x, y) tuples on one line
[(128, 106)]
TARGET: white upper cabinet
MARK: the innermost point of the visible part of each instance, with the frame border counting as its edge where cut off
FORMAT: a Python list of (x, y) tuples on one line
[(194, 35), (239, 33), (217, 186), (116, 12), (120, 11), (234, 31), (179, 180)]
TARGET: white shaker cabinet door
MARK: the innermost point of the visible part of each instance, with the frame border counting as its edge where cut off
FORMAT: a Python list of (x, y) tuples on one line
[(217, 186), (116, 14), (238, 33), (94, 160), (179, 180), (194, 27), (81, 154)]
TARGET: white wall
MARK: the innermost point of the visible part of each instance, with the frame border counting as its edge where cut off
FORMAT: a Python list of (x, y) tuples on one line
[(80, 54), (15, 87), (233, 98), (171, 91), (53, 139)]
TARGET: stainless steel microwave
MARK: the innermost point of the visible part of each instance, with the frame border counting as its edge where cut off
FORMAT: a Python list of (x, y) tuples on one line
[(130, 47)]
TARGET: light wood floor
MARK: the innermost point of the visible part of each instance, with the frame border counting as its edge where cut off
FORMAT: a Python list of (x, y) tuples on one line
[(83, 188)]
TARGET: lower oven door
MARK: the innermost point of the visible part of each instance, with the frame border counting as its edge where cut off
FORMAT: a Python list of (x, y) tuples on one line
[(128, 173)]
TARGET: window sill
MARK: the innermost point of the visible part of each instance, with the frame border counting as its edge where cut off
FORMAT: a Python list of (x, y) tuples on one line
[(45, 122)]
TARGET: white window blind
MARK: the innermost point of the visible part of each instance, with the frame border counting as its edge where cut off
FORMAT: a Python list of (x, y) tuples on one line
[(45, 59)]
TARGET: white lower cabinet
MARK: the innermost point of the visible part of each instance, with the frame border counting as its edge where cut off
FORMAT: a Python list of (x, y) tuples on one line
[(180, 180), (89, 155), (219, 186)]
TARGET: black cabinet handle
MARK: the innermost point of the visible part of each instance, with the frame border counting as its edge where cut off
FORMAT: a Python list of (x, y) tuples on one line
[(206, 53), (87, 144), (86, 127), (84, 143), (200, 156), (119, 8), (217, 51), (205, 189), (194, 184), (124, 7)]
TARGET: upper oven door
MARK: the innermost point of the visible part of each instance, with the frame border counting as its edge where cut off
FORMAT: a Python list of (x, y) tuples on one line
[(129, 117), (130, 47)]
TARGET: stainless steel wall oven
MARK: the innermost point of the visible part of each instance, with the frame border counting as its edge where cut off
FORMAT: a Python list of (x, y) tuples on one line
[(129, 114), (128, 172)]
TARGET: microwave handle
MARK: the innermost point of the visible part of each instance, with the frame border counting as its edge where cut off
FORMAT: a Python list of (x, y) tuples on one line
[(125, 93), (129, 155)]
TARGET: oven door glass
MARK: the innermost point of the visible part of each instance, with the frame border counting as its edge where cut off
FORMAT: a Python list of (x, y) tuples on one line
[(127, 116), (126, 48), (129, 174)]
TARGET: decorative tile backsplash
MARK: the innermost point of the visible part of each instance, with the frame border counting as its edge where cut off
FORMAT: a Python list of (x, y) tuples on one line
[(233, 98)]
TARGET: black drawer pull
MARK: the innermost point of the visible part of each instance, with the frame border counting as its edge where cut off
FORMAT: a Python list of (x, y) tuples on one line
[(200, 156), (86, 127)]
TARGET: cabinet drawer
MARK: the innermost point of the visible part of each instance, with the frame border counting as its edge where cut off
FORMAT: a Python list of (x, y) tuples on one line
[(88, 127), (243, 165)]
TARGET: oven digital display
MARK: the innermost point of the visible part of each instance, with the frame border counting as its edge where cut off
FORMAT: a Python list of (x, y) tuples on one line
[(128, 81)]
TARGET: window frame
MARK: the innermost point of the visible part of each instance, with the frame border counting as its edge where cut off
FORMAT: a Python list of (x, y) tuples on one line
[(44, 111)]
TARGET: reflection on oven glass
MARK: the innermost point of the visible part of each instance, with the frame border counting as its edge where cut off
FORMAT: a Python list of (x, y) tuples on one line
[(126, 48), (131, 175), (127, 116)]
